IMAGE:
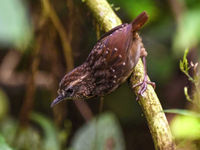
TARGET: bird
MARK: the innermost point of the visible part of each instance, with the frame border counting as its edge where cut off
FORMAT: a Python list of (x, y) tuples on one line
[(108, 65)]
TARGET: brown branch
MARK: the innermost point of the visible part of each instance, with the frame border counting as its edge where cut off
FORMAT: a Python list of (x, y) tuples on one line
[(49, 10), (30, 90), (84, 109), (150, 104)]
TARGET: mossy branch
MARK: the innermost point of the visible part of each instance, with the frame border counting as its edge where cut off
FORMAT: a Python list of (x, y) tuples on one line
[(149, 102)]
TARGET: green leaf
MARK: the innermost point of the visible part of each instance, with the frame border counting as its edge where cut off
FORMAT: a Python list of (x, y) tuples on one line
[(8, 128), (184, 63), (27, 139), (20, 138), (184, 67), (51, 141), (185, 127), (183, 112), (187, 95), (100, 133), (14, 24), (30, 138), (3, 144)]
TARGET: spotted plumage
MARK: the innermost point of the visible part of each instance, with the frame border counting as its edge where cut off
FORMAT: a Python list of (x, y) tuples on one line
[(109, 64)]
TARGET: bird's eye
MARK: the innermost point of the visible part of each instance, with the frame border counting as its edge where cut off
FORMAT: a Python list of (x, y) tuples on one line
[(69, 91)]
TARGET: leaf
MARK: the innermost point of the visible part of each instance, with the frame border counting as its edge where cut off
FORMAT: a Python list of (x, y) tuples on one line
[(183, 112), (27, 139), (186, 94), (14, 24), (51, 141), (8, 128), (185, 127), (101, 133), (184, 63), (21, 138), (3, 144), (30, 138), (184, 67)]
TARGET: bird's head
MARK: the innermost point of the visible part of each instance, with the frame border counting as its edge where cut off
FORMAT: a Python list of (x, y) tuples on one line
[(75, 85)]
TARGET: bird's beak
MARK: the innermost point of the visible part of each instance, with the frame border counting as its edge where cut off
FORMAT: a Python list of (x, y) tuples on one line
[(57, 100)]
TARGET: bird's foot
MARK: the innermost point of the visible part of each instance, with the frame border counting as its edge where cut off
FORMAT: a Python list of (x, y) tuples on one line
[(143, 86)]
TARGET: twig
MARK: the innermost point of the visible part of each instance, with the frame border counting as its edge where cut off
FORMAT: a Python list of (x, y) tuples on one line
[(84, 109), (150, 104)]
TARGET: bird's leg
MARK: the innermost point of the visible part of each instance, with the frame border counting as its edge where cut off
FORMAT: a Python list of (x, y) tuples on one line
[(145, 81)]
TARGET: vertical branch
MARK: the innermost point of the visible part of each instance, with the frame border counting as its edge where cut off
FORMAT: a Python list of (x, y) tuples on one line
[(28, 102), (30, 90), (150, 104), (48, 8)]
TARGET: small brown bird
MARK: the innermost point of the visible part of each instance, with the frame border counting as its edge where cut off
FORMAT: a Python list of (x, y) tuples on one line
[(109, 64)]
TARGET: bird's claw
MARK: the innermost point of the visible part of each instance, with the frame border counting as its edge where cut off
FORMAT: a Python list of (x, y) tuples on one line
[(143, 87)]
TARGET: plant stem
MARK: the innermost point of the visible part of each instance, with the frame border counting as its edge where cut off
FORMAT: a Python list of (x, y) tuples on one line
[(149, 102)]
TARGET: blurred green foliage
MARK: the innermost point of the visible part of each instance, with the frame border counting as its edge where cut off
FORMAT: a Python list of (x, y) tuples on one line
[(3, 144), (31, 138), (186, 127), (134, 7), (15, 26), (51, 140), (188, 33), (100, 133), (184, 112)]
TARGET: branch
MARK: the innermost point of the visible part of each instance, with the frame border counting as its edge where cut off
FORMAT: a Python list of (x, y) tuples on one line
[(49, 10), (149, 102), (30, 87)]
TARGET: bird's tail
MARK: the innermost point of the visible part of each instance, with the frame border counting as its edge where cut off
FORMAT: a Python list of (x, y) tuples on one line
[(139, 21)]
